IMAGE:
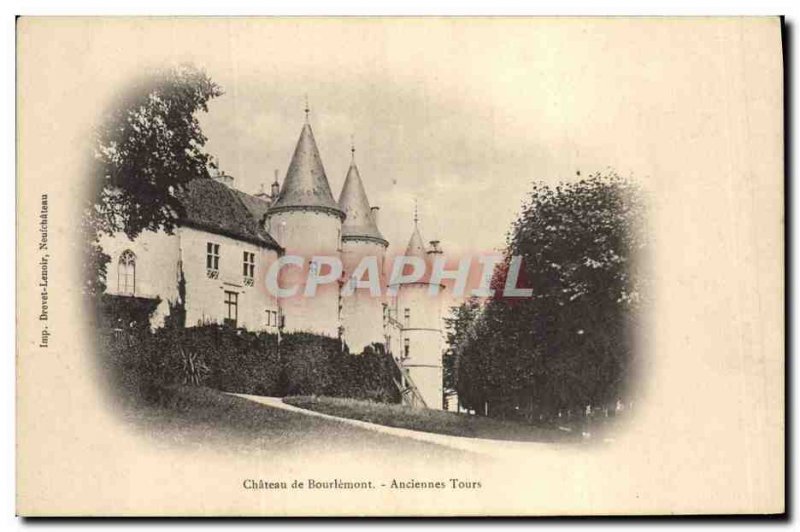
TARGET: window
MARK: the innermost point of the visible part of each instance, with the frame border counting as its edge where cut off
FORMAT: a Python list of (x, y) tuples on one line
[(231, 308), (281, 233), (126, 273), (272, 318), (407, 316), (249, 266), (406, 348), (212, 260)]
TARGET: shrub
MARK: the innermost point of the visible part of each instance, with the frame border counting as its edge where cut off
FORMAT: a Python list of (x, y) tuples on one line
[(145, 365), (238, 361), (308, 363), (129, 314), (367, 376)]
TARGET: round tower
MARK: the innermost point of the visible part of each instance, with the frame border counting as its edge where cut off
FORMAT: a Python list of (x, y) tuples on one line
[(362, 308), (420, 316), (307, 222)]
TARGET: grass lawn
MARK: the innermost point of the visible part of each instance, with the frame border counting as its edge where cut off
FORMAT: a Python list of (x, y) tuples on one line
[(436, 421), (202, 418)]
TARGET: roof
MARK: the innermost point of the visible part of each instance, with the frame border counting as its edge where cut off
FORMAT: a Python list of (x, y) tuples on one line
[(415, 247), (257, 206), (306, 184), (353, 201), (216, 208)]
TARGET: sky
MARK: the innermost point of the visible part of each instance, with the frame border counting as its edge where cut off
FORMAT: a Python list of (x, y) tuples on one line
[(461, 115)]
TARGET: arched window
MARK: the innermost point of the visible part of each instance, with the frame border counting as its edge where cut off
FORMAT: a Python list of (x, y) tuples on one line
[(126, 273)]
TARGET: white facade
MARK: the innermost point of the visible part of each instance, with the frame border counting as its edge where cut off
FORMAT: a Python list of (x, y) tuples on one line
[(362, 311), (308, 233), (153, 273), (212, 294), (421, 339)]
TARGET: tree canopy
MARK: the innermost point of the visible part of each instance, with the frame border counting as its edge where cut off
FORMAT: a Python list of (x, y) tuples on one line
[(457, 326), (149, 145), (572, 343)]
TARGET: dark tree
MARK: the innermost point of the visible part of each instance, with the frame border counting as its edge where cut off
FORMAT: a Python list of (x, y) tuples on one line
[(572, 343), (457, 326), (94, 260), (147, 146)]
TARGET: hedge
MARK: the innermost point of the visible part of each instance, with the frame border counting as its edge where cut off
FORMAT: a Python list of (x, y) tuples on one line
[(143, 364)]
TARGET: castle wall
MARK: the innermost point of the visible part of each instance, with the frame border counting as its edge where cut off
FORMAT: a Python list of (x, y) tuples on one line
[(362, 313), (159, 258), (307, 233), (206, 296), (425, 310), (428, 380), (157, 255), (422, 333)]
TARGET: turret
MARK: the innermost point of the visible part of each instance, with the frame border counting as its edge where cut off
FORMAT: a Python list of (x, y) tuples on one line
[(362, 310), (306, 221), (420, 317)]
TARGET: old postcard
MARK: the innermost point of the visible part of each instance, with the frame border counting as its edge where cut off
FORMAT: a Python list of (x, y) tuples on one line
[(400, 267)]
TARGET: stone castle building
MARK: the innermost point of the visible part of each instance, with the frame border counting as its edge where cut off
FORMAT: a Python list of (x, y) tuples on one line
[(214, 264)]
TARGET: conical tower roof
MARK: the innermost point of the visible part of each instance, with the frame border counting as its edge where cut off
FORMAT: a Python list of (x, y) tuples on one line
[(306, 184), (416, 247), (359, 221)]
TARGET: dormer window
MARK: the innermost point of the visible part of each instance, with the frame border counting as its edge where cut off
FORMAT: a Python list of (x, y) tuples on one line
[(212, 260)]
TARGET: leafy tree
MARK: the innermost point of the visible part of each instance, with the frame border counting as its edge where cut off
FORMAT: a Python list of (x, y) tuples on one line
[(94, 260), (457, 326), (149, 145), (572, 343)]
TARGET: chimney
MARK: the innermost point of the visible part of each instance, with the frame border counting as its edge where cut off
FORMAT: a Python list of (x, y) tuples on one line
[(276, 188), (224, 178), (435, 249), (374, 211), (220, 176), (262, 194)]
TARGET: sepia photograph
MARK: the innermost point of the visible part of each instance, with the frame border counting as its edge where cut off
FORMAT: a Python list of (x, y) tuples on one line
[(366, 266)]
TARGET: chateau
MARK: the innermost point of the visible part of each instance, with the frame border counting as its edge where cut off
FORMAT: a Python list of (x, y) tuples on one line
[(214, 263)]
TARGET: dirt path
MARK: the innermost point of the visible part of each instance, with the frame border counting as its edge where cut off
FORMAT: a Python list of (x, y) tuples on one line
[(492, 448)]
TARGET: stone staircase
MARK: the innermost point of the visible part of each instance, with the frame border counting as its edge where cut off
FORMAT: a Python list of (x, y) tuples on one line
[(409, 393)]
